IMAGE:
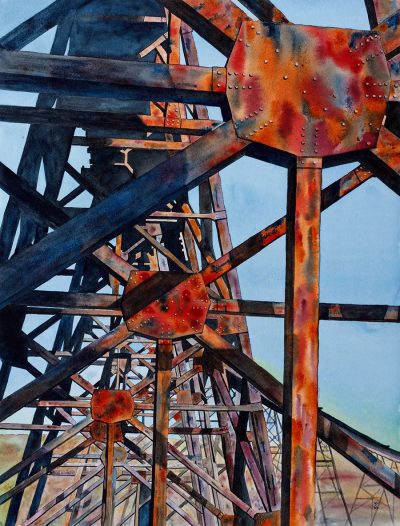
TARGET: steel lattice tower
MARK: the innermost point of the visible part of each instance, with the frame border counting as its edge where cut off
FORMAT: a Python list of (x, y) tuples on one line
[(147, 406)]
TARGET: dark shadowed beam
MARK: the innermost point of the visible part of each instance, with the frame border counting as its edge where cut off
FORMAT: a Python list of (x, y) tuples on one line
[(327, 311), (90, 229), (12, 403), (158, 513), (39, 23), (104, 120), (218, 21), (300, 388), (47, 469), (265, 10), (329, 429), (45, 449), (65, 494), (193, 467), (121, 79), (378, 10), (387, 155)]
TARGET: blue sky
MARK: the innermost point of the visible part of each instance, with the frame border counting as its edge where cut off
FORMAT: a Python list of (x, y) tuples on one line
[(359, 363)]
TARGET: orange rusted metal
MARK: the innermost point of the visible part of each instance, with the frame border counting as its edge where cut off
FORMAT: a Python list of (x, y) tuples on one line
[(300, 399), (111, 406), (180, 312), (98, 430), (306, 90)]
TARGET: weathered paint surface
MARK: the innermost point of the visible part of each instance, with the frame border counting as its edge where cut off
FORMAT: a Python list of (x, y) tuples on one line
[(180, 312), (111, 406), (300, 392), (306, 90)]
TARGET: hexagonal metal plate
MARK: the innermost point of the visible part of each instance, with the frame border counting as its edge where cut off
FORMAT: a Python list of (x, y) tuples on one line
[(308, 91), (180, 312)]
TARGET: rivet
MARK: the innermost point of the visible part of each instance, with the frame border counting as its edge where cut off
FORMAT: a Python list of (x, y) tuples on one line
[(314, 162), (249, 87), (218, 72), (265, 61), (285, 77), (355, 111), (325, 109), (261, 109), (229, 73), (367, 96), (302, 142), (343, 123), (258, 32), (236, 87), (314, 78), (218, 85), (243, 87), (229, 87), (270, 122), (251, 75), (368, 144), (276, 50), (304, 91), (240, 39), (296, 64), (253, 27)]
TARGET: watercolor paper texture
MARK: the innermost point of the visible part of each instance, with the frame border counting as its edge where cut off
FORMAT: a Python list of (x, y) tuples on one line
[(199, 262)]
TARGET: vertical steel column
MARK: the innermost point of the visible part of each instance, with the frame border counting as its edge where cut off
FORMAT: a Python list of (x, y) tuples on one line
[(108, 486), (158, 514), (300, 405)]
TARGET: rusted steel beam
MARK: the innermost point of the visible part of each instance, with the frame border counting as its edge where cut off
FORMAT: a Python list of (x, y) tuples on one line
[(108, 485), (389, 32), (378, 10), (169, 502), (12, 403), (329, 429), (58, 462), (133, 144), (268, 235), (104, 120), (327, 311), (46, 448), (65, 494), (265, 10), (247, 451), (300, 388), (39, 23), (158, 514), (218, 21), (94, 77), (197, 430), (387, 154), (63, 247), (189, 464)]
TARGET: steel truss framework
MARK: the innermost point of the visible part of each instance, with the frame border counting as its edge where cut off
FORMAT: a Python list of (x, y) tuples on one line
[(151, 406)]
